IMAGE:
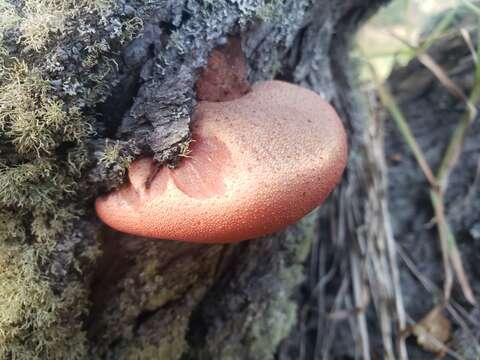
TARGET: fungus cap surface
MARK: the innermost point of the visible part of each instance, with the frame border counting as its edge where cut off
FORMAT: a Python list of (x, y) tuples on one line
[(257, 164)]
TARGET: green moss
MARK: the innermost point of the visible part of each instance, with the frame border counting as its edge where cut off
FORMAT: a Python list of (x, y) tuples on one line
[(118, 155), (11, 227), (46, 117), (40, 19), (114, 161), (30, 307), (278, 318), (31, 119), (170, 347)]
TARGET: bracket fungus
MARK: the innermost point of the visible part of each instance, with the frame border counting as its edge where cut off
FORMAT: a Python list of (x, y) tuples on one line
[(258, 162)]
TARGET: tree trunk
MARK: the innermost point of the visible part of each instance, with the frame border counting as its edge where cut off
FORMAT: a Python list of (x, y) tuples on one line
[(74, 75)]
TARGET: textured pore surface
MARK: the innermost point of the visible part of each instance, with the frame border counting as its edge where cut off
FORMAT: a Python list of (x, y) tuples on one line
[(245, 177)]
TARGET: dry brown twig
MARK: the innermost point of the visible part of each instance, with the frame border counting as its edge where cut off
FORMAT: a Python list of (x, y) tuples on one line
[(381, 240), (468, 40)]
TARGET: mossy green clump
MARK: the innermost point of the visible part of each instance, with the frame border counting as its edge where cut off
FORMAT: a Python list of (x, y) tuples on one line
[(113, 154), (114, 160), (30, 310), (56, 63), (34, 121)]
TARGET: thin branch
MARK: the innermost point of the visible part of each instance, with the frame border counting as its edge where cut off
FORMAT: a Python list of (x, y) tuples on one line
[(446, 81), (455, 146), (468, 40)]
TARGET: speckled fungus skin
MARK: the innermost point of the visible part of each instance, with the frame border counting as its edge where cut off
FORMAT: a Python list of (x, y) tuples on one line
[(258, 163)]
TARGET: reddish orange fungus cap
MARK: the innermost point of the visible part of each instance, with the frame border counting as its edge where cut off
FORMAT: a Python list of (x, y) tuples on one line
[(258, 164)]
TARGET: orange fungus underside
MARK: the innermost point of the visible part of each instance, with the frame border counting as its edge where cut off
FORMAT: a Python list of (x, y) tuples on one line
[(257, 164)]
